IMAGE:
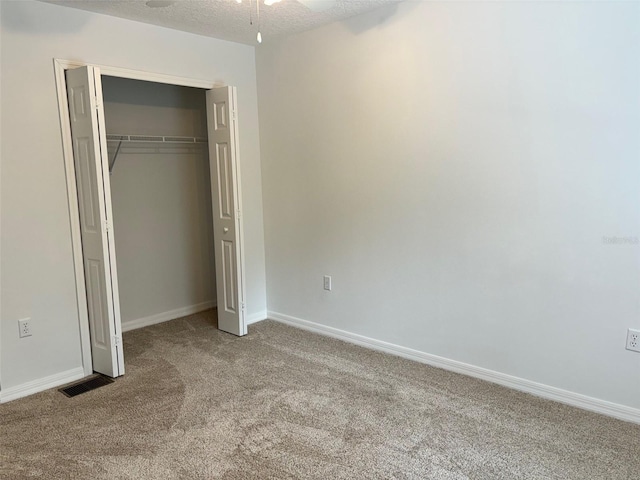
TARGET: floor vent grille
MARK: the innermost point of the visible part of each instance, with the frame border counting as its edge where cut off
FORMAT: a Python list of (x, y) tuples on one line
[(86, 386)]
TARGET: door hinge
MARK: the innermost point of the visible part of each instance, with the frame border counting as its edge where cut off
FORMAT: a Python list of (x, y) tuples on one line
[(234, 115), (116, 341), (243, 306), (107, 226)]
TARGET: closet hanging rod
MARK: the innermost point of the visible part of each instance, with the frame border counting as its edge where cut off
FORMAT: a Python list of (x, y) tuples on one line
[(155, 139), (168, 140)]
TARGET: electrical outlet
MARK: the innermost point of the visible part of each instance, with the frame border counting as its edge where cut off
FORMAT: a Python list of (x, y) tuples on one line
[(633, 340), (327, 282), (24, 326)]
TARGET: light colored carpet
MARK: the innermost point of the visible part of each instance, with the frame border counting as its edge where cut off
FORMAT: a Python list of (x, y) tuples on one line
[(283, 403)]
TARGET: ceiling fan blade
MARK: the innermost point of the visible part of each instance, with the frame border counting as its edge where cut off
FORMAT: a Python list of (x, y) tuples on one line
[(318, 5)]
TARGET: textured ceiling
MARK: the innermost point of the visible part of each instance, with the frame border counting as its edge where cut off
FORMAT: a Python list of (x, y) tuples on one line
[(226, 19)]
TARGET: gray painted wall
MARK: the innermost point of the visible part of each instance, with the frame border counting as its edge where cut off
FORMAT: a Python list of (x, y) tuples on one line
[(455, 167)]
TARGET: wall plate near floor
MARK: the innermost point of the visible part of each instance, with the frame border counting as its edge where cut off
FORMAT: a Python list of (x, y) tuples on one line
[(633, 340)]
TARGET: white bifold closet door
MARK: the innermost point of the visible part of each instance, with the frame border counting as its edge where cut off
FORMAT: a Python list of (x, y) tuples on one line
[(84, 92), (225, 192)]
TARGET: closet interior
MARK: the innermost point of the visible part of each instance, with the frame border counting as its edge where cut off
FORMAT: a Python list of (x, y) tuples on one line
[(161, 198)]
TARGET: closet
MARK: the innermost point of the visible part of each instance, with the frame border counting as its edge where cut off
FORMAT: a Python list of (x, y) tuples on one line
[(160, 197), (154, 169)]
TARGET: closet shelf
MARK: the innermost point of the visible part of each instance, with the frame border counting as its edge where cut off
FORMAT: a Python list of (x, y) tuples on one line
[(154, 144)]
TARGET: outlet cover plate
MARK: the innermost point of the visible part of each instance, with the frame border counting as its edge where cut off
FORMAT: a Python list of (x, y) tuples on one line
[(633, 340), (24, 327)]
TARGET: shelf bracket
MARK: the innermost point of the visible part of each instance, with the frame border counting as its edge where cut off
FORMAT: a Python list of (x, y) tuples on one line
[(115, 156)]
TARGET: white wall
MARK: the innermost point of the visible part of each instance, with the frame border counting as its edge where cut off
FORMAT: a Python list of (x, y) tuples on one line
[(161, 198), (36, 265), (455, 167)]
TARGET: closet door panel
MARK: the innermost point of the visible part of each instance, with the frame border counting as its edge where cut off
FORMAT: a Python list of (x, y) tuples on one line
[(89, 155), (224, 188), (225, 195)]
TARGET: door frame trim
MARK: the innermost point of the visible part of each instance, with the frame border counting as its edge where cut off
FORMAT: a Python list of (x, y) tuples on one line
[(60, 66)]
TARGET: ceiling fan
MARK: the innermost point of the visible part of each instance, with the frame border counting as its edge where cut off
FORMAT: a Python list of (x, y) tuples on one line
[(314, 5), (318, 5)]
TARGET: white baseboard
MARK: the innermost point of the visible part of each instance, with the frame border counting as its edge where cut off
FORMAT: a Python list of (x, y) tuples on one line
[(42, 384), (256, 317), (604, 407), (166, 316)]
